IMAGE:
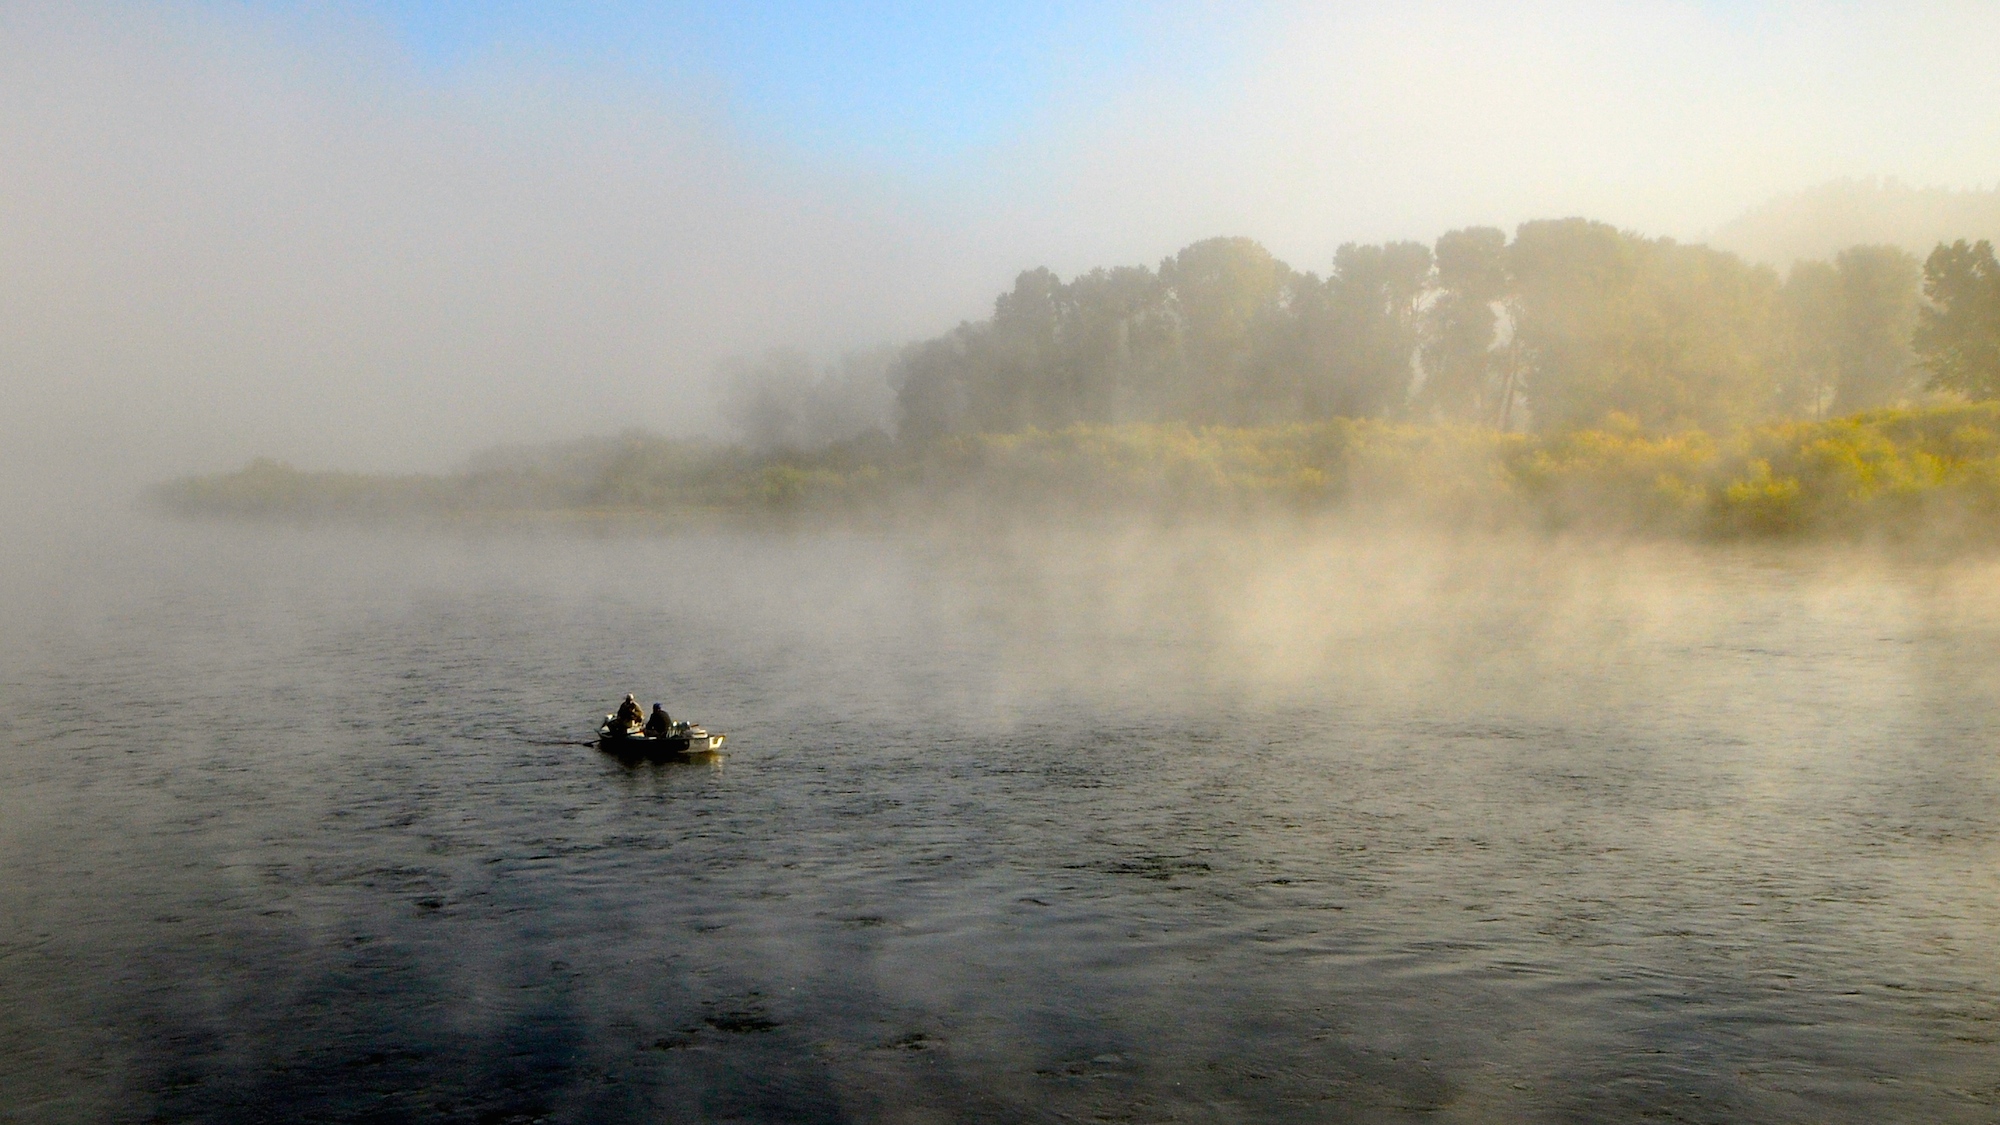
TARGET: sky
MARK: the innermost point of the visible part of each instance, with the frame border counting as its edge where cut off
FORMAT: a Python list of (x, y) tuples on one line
[(386, 233), (911, 86)]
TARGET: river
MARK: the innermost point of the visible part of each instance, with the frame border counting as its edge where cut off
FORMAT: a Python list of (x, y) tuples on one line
[(1022, 824)]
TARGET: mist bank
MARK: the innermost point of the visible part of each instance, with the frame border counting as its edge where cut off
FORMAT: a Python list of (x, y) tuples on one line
[(1573, 376), (1817, 223), (1920, 474)]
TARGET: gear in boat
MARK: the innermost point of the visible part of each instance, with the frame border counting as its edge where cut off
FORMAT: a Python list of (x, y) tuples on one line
[(630, 731)]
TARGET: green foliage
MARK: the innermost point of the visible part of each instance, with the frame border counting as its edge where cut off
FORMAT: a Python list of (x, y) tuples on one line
[(1569, 323), (1610, 323), (782, 400), (1877, 313), (631, 472), (1364, 332), (1668, 389), (1618, 476), (1958, 333), (1225, 295), (272, 489), (1462, 376), (1888, 472), (1885, 471), (1850, 322), (1813, 299)]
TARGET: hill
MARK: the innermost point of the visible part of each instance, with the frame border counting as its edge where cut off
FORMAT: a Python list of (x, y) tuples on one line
[(1814, 224)]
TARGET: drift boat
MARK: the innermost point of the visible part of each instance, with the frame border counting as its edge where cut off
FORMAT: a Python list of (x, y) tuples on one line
[(680, 741)]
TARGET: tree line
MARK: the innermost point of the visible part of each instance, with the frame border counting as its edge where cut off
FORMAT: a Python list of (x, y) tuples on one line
[(1576, 375), (1568, 323)]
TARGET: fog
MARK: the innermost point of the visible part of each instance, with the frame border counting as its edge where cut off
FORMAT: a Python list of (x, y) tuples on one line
[(1254, 795), (1226, 823), (229, 231), (226, 236)]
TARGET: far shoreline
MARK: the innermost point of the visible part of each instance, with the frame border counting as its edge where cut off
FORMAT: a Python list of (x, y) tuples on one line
[(1926, 477)]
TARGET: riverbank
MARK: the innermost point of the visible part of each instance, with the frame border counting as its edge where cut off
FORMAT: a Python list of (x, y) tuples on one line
[(1931, 473)]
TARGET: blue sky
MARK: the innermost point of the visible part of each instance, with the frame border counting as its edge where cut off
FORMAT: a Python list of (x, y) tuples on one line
[(911, 84)]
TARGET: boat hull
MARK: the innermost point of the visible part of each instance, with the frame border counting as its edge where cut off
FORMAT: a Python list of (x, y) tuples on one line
[(680, 744)]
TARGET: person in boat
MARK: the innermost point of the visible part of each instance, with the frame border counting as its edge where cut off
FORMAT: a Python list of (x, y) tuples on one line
[(659, 724), (629, 717)]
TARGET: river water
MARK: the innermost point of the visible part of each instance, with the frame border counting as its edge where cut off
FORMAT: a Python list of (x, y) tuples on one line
[(1028, 825)]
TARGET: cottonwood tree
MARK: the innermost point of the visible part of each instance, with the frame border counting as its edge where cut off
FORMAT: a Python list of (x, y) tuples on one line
[(1458, 326), (783, 401), (1119, 346), (1878, 311), (1227, 298), (1847, 331), (1575, 320), (1813, 316), (1362, 339), (1666, 334), (1957, 337)]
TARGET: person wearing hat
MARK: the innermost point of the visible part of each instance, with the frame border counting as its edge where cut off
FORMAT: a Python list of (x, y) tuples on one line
[(659, 724), (629, 715)]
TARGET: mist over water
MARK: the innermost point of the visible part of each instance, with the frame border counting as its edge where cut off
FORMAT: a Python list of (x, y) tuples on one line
[(1216, 824), (1198, 819)]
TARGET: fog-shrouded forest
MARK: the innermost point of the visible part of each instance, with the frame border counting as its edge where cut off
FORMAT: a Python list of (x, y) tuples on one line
[(1571, 375)]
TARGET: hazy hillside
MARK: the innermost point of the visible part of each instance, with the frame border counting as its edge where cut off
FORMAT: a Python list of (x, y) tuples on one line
[(1815, 223)]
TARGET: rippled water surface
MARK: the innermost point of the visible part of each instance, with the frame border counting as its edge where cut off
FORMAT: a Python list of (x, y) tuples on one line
[(1050, 826)]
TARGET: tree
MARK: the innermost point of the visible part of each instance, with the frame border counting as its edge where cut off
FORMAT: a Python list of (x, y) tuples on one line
[(1457, 328), (1878, 310), (1362, 335), (1957, 337), (782, 401), (765, 398), (1020, 384), (931, 378), (1670, 335), (1575, 280), (1813, 315), (1122, 345), (1847, 331), (1594, 322), (1225, 293)]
